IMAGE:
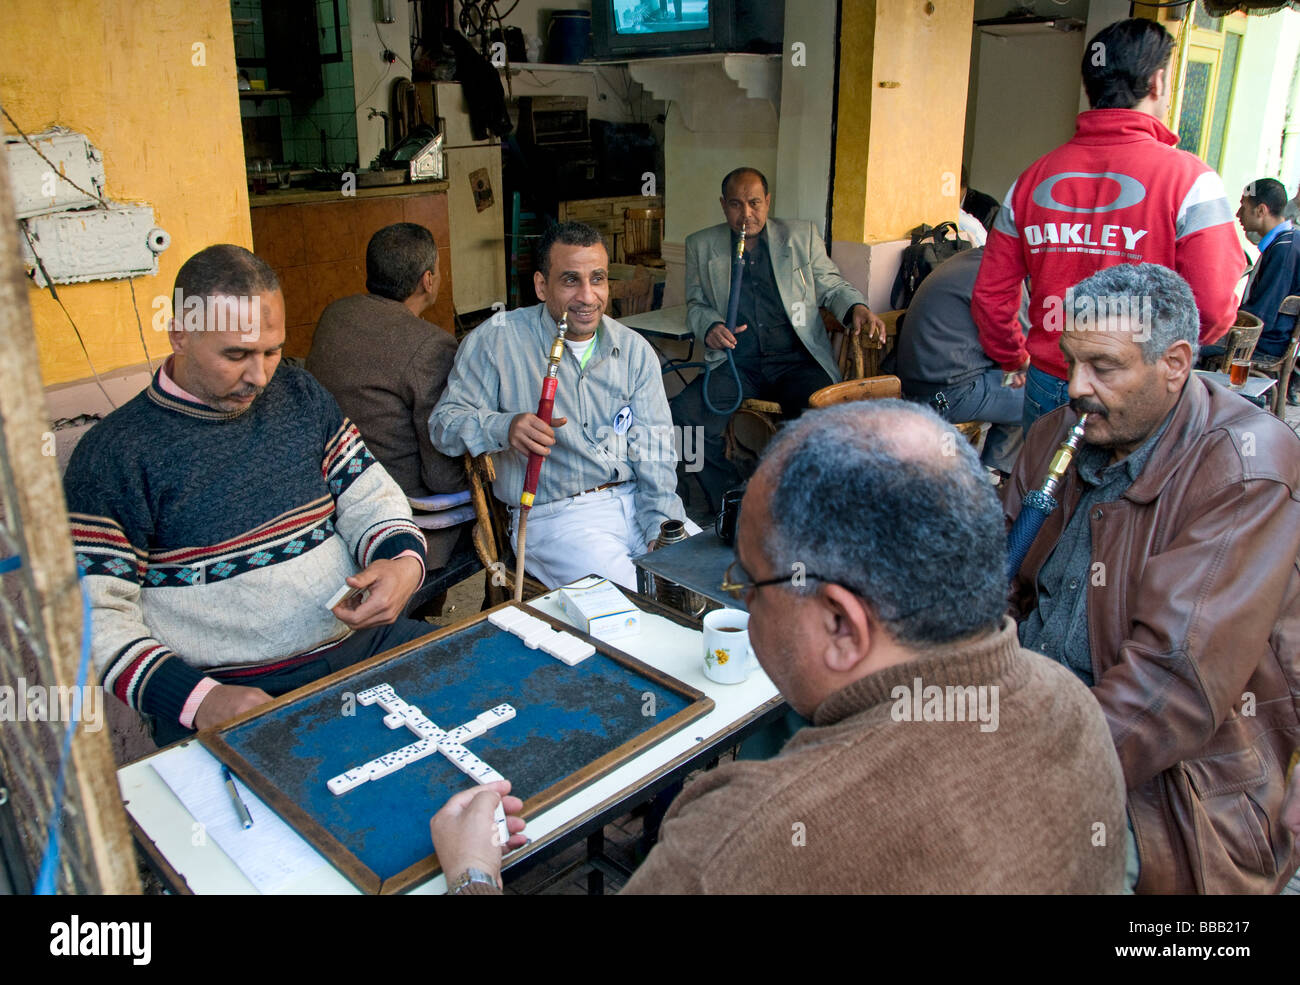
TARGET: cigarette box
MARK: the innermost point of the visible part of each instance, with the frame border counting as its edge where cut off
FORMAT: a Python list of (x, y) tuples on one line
[(599, 609)]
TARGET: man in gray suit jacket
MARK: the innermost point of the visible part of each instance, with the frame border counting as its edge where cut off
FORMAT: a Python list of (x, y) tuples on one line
[(780, 346)]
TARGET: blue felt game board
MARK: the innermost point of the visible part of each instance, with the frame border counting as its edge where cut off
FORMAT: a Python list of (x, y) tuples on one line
[(572, 724)]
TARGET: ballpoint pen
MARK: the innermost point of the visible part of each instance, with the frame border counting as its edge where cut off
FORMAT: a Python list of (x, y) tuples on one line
[(245, 818)]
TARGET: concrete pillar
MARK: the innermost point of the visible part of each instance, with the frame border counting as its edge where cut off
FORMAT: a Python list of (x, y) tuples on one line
[(900, 124)]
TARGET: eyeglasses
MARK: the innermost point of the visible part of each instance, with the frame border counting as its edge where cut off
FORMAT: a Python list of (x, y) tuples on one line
[(737, 583)]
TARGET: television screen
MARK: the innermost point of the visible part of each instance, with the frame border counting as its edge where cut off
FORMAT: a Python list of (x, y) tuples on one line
[(656, 16)]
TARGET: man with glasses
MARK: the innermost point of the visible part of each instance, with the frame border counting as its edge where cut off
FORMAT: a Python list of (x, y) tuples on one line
[(941, 757)]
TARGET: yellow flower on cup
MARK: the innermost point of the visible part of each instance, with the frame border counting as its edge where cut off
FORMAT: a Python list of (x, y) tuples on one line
[(721, 656)]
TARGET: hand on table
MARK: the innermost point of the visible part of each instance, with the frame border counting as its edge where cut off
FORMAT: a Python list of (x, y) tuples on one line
[(719, 338), (227, 701), (533, 436), (863, 317), (392, 582), (464, 831)]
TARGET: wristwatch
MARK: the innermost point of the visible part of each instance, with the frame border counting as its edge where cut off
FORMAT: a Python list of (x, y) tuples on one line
[(468, 878)]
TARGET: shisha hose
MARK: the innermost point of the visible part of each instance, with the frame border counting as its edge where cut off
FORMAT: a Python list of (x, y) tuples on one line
[(544, 408), (733, 313), (1039, 503)]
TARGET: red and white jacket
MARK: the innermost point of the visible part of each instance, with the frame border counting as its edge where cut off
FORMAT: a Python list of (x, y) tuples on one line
[(1118, 192)]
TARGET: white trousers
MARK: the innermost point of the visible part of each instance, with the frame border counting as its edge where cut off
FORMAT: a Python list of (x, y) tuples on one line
[(595, 533)]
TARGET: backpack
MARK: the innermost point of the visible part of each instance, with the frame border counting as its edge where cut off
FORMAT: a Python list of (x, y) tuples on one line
[(931, 245)]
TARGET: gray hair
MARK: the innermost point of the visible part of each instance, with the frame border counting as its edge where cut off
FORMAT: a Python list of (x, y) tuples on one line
[(919, 537), (1154, 302)]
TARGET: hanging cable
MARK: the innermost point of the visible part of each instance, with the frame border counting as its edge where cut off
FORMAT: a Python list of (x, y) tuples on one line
[(49, 282)]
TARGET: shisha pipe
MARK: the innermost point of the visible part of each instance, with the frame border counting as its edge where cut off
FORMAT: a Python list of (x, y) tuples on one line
[(544, 408), (1039, 503), (733, 313)]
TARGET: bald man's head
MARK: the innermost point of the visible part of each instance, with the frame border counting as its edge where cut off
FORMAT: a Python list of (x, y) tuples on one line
[(889, 499)]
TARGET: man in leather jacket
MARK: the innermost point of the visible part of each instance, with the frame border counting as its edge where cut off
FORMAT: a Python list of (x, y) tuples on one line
[(1168, 581)]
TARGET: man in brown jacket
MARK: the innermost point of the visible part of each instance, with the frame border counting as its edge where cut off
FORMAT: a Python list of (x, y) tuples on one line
[(942, 757), (1168, 582), (387, 367)]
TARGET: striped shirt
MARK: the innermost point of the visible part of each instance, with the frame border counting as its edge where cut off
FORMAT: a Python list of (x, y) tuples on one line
[(212, 540), (619, 428)]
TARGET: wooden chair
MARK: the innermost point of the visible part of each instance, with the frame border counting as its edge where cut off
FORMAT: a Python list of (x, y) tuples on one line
[(874, 352), (643, 236), (492, 536), (871, 388), (879, 388), (756, 422), (1239, 343), (1280, 367), (633, 295)]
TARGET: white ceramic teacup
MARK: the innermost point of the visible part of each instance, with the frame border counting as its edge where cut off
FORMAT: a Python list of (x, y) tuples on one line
[(728, 657)]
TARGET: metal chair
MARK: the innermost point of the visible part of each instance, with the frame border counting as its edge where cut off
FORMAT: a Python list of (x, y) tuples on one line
[(1281, 367)]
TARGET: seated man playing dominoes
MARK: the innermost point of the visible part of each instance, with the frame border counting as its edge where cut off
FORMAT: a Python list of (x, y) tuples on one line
[(218, 512), (1009, 783)]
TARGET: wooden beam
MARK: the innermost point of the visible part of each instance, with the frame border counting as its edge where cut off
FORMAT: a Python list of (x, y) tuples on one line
[(38, 511)]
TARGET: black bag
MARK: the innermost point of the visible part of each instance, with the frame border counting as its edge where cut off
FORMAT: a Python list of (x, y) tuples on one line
[(931, 245)]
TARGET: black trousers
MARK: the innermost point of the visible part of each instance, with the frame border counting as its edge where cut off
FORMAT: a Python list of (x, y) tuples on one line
[(354, 649), (789, 382)]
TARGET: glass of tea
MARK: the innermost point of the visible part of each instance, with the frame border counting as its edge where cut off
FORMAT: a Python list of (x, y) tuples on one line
[(1238, 372)]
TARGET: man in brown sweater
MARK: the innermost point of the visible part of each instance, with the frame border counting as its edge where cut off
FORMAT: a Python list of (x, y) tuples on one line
[(942, 757), (387, 366)]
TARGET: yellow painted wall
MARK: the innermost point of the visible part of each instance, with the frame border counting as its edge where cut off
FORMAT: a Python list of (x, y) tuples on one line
[(122, 73), (898, 147)]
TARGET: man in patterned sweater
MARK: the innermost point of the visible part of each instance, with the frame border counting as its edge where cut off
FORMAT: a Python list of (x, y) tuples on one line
[(216, 514)]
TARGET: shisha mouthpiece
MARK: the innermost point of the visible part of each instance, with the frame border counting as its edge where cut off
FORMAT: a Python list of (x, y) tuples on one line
[(1064, 455)]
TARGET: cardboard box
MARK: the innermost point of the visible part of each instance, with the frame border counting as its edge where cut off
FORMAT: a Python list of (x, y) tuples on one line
[(598, 608)]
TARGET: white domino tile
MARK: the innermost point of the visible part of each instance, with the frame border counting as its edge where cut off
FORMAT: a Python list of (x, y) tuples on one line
[(430, 738), (503, 832), (508, 617)]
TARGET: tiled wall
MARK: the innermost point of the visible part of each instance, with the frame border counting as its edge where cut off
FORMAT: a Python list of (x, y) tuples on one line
[(319, 253), (301, 123)]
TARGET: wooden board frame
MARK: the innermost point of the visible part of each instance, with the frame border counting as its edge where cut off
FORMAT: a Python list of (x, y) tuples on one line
[(340, 856)]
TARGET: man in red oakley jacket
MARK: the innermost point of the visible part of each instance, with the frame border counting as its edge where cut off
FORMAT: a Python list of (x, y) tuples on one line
[(1119, 192)]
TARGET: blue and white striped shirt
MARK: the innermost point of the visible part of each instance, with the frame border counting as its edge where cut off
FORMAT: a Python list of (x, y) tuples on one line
[(498, 374)]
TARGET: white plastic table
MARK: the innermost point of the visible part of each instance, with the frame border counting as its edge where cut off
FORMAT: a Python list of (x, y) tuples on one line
[(164, 827)]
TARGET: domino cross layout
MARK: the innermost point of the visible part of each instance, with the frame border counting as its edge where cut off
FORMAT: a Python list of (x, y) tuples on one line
[(431, 739)]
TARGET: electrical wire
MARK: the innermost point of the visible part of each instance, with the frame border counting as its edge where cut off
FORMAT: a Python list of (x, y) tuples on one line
[(97, 196), (49, 282), (130, 282)]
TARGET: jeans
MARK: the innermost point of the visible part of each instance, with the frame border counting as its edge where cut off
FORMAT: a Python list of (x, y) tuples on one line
[(984, 398), (1043, 394)]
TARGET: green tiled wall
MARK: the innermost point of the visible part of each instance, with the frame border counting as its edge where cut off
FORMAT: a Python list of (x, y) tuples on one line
[(301, 123)]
